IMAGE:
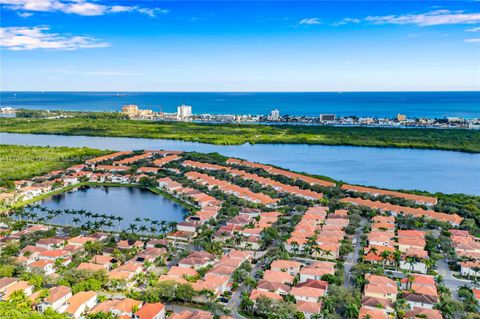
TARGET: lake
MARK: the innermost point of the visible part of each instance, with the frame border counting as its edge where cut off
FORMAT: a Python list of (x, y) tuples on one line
[(430, 170), (127, 202)]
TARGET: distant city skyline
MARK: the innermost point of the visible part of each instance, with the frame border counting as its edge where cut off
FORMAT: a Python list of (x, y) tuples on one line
[(246, 46)]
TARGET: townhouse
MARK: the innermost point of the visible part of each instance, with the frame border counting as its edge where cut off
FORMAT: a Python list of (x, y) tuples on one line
[(57, 296), (276, 171), (79, 303), (231, 189), (419, 199), (420, 291), (452, 219), (411, 244)]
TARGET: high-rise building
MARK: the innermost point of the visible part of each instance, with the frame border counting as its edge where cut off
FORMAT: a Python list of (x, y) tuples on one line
[(130, 109), (327, 117), (274, 115), (184, 111)]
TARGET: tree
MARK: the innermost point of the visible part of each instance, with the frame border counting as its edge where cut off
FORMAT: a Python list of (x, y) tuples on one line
[(93, 247), (351, 311), (449, 307)]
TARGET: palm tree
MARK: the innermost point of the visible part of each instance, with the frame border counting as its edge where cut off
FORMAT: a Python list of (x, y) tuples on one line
[(411, 261), (401, 307), (132, 227), (76, 220), (295, 247), (351, 311), (373, 250), (385, 255), (143, 229)]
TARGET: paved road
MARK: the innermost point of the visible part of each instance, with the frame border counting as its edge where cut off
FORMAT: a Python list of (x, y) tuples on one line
[(234, 302), (352, 258), (450, 281)]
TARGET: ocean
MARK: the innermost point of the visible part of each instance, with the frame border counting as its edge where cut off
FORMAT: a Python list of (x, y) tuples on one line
[(365, 104)]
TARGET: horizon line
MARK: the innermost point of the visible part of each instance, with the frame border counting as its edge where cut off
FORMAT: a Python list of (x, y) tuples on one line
[(339, 91)]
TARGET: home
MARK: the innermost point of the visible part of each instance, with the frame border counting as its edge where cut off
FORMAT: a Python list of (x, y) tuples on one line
[(9, 285), (216, 283), (189, 227), (128, 244), (309, 309), (45, 266), (255, 294), (307, 294), (80, 240), (57, 296), (117, 307), (197, 260), (191, 314), (278, 276), (50, 243), (374, 303), (380, 287), (276, 287), (151, 311), (291, 267), (470, 269), (31, 252), (106, 261), (92, 267), (79, 303), (370, 313), (316, 271), (54, 254), (420, 291), (417, 312)]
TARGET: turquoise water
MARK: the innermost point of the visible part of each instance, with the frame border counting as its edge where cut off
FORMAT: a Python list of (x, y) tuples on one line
[(378, 104), (430, 170)]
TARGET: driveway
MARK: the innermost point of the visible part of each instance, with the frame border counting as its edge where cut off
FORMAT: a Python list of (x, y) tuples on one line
[(352, 258)]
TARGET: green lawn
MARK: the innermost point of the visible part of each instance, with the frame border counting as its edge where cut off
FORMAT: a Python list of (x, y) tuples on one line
[(234, 134), (20, 162)]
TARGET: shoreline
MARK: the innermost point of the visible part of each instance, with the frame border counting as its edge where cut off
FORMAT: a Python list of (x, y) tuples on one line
[(260, 142), (187, 206)]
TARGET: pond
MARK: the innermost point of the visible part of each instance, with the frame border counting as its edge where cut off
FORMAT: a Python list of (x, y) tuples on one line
[(126, 202), (394, 168)]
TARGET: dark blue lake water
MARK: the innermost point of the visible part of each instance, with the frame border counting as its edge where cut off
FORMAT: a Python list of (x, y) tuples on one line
[(127, 202), (378, 104)]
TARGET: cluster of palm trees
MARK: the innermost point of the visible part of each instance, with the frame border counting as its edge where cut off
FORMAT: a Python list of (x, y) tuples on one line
[(80, 218), (311, 247), (146, 225), (394, 257), (86, 220)]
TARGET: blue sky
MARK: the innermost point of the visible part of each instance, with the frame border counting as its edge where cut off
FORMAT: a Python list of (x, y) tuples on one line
[(88, 45)]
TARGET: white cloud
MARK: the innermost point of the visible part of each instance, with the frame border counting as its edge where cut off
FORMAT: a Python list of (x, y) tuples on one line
[(85, 9), (24, 14), (345, 21), (31, 38), (474, 40), (310, 21), (477, 29), (437, 17), (79, 7)]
